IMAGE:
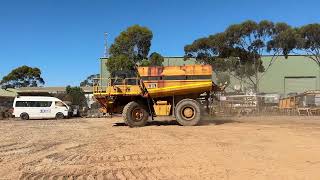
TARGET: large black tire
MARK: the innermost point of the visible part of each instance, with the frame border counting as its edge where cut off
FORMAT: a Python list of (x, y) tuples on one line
[(188, 112), (24, 116), (59, 115), (134, 115)]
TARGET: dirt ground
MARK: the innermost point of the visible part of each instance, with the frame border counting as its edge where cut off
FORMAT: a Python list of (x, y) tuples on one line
[(274, 147)]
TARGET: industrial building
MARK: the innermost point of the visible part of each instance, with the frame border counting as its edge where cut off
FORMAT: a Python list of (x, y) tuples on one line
[(295, 74), (7, 96)]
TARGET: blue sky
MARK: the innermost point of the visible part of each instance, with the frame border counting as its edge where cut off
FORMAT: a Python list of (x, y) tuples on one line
[(64, 38)]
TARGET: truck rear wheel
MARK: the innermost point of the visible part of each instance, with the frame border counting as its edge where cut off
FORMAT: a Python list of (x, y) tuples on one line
[(188, 112), (134, 115)]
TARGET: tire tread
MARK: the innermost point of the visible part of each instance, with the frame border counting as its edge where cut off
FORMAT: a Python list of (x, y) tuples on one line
[(127, 118), (197, 118)]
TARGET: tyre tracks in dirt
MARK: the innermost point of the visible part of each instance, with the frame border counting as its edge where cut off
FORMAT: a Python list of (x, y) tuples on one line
[(14, 148), (121, 174), (152, 173), (72, 163), (96, 149), (75, 158)]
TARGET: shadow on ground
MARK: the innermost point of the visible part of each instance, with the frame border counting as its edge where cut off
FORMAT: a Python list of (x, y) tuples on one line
[(154, 123), (218, 122), (175, 123)]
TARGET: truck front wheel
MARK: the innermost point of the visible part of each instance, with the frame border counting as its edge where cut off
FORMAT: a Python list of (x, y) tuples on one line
[(188, 112), (134, 115)]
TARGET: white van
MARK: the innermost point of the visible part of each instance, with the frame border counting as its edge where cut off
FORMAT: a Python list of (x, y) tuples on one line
[(39, 107)]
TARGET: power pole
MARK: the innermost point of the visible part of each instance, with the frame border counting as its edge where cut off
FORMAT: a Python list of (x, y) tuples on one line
[(104, 56), (105, 45)]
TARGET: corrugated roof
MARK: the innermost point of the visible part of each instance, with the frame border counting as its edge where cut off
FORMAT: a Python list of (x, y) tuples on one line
[(50, 89), (8, 93)]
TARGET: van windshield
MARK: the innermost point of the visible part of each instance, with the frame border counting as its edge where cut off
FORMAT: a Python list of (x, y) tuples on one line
[(60, 104)]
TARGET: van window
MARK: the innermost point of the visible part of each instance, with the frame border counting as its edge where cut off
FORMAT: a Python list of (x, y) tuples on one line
[(60, 104), (44, 103), (33, 103), (22, 104)]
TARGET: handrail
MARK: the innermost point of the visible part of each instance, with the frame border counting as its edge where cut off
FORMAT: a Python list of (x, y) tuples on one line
[(98, 88)]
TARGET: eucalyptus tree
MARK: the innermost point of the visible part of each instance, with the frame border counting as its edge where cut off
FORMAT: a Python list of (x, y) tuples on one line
[(250, 39), (155, 59), (309, 43), (23, 76), (129, 48), (89, 81), (239, 49)]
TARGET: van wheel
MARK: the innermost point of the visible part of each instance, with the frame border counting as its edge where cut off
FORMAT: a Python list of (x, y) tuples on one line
[(59, 115), (24, 116)]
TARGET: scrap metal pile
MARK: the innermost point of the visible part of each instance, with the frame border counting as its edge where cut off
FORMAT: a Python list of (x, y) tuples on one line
[(303, 104)]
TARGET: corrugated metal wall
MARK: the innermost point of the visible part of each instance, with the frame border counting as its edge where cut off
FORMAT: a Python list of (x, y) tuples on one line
[(298, 84)]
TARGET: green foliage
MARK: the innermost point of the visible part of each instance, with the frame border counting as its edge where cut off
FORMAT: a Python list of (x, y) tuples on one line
[(309, 41), (135, 42), (129, 48), (23, 76), (155, 59), (223, 78), (76, 96), (89, 80), (145, 63), (239, 48), (208, 49), (249, 39), (284, 39), (310, 35), (119, 63)]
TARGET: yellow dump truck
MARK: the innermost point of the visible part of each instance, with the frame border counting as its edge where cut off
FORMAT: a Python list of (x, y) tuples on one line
[(157, 91)]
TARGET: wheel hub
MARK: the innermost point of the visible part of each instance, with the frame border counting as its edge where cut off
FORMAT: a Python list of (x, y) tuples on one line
[(188, 112), (137, 115)]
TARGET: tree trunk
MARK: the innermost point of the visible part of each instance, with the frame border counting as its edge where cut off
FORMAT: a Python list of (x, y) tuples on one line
[(256, 88), (318, 83)]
